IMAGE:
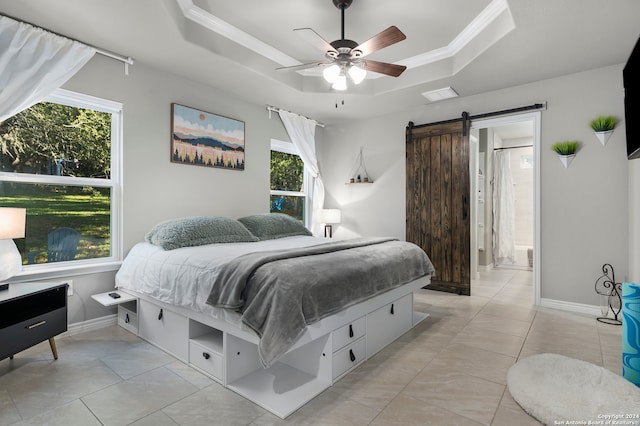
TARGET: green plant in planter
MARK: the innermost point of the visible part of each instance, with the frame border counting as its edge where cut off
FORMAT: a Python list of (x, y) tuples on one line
[(565, 147), (603, 123)]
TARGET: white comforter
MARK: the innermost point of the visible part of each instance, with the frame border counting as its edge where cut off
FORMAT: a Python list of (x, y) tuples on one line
[(184, 276)]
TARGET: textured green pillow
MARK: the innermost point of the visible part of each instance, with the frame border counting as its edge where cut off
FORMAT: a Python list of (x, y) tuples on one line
[(198, 231), (270, 226)]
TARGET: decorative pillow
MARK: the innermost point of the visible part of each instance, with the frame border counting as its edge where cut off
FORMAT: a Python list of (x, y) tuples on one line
[(270, 226), (198, 231)]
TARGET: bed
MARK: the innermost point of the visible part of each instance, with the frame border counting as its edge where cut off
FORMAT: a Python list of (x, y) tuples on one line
[(266, 309)]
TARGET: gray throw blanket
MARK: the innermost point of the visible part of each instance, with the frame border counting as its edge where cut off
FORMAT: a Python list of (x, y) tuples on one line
[(280, 292)]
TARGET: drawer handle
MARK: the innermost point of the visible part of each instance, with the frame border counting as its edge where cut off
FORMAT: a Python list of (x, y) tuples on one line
[(38, 324), (350, 330), (160, 314), (126, 319), (351, 355), (206, 355), (392, 313)]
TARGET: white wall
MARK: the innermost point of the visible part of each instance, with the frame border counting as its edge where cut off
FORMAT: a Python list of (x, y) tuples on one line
[(523, 192), (156, 189), (584, 209)]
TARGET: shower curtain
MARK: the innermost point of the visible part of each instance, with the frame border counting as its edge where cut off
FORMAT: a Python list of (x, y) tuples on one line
[(504, 222)]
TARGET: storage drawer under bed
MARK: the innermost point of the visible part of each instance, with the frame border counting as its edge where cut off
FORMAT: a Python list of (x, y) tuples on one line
[(386, 324), (164, 328), (349, 357)]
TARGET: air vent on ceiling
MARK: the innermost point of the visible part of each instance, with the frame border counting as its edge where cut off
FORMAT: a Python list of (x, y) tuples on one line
[(440, 94)]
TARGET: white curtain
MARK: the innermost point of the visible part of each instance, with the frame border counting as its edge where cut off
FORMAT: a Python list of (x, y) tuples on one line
[(301, 131), (33, 63), (504, 220)]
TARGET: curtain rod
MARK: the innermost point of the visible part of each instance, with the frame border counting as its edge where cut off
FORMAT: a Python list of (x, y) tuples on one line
[(512, 147), (274, 109), (128, 60)]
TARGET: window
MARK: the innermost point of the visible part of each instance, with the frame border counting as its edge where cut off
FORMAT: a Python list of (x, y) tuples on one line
[(288, 177), (59, 159)]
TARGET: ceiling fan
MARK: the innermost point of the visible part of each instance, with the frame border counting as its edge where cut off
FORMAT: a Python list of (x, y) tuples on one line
[(346, 57)]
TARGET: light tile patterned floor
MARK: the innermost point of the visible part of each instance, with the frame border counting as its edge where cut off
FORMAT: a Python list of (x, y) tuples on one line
[(449, 370)]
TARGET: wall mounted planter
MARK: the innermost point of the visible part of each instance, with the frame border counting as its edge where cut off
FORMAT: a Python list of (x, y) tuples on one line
[(603, 137), (603, 126), (566, 151), (566, 159)]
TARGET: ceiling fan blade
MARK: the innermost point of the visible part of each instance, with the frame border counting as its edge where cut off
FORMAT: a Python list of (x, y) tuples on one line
[(384, 68), (304, 66), (383, 39), (316, 40)]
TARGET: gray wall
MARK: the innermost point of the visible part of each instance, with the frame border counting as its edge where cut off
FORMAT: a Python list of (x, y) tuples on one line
[(584, 209), (154, 189)]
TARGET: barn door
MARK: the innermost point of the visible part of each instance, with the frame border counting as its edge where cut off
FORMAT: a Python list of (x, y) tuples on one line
[(438, 215)]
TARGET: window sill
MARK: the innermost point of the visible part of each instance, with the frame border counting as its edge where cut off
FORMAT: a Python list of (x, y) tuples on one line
[(59, 271)]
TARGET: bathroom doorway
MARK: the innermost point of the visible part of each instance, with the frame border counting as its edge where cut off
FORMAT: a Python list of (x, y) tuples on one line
[(504, 166)]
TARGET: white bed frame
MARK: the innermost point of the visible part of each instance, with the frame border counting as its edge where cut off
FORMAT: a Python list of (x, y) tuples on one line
[(327, 350)]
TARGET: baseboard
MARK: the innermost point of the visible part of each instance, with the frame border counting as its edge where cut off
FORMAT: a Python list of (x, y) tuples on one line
[(89, 325), (515, 267), (578, 308)]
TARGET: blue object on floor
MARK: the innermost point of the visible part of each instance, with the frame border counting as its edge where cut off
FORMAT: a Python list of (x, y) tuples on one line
[(631, 332)]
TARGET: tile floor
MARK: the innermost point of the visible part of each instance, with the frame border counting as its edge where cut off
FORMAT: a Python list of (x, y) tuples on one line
[(449, 370)]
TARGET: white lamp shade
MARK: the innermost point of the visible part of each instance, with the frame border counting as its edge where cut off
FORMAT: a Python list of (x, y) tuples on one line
[(331, 73), (330, 216), (357, 74), (10, 259), (12, 222), (340, 83)]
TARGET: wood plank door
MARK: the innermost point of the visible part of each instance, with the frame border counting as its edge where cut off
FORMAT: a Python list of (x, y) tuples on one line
[(438, 201)]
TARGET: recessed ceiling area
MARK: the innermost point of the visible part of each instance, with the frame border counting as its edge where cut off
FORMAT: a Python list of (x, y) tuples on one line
[(455, 44), (473, 46)]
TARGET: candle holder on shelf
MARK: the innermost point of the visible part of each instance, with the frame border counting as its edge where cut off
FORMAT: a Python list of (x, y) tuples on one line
[(610, 296)]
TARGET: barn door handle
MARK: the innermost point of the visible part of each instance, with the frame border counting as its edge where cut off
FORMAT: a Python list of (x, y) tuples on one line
[(160, 314), (392, 312), (465, 206), (351, 355), (350, 330)]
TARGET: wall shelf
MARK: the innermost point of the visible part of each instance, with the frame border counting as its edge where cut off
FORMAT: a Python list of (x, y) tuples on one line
[(359, 173)]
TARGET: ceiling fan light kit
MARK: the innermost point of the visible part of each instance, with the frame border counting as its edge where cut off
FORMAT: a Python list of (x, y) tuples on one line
[(345, 56)]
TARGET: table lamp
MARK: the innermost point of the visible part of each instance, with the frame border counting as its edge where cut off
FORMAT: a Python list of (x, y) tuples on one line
[(12, 224), (329, 217)]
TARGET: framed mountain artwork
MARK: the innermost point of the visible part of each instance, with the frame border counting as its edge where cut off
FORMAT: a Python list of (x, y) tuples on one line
[(201, 138)]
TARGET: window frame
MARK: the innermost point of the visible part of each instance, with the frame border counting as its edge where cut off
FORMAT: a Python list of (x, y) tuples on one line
[(290, 148), (81, 266)]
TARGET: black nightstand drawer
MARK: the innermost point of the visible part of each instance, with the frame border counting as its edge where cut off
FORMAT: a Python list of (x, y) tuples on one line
[(31, 313), (25, 334)]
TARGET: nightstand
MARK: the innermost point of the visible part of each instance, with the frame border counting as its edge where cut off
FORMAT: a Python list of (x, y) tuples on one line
[(31, 313), (127, 308)]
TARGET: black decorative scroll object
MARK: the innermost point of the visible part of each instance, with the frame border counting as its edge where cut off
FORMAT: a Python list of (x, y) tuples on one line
[(607, 286)]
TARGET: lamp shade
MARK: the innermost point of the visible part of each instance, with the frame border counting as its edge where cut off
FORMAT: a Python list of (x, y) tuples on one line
[(340, 82), (12, 222), (357, 73), (330, 216), (331, 73)]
